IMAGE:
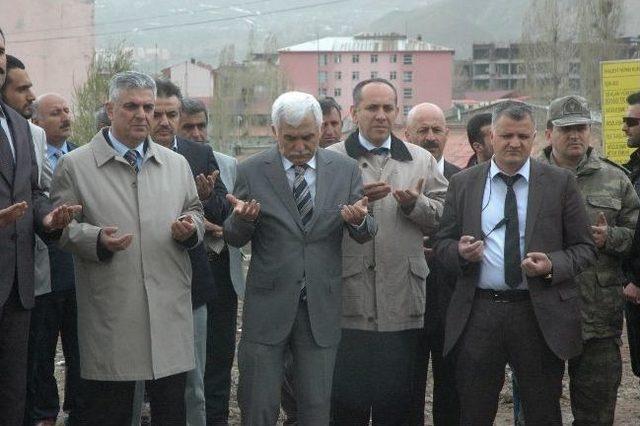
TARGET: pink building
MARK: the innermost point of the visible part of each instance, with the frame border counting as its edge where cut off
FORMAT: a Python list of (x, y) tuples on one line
[(54, 39), (332, 66), (194, 78)]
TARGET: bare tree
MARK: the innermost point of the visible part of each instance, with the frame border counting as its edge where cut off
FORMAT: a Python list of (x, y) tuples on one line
[(92, 95), (548, 50), (599, 27)]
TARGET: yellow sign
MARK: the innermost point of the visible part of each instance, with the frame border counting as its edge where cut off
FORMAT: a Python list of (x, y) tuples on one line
[(619, 79)]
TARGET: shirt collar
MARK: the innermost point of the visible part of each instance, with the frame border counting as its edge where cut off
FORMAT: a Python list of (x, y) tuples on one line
[(288, 164), (174, 146), (369, 146), (52, 150), (524, 170), (122, 148)]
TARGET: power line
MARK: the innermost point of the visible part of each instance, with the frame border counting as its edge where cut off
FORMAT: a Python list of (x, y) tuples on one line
[(120, 21), (184, 24)]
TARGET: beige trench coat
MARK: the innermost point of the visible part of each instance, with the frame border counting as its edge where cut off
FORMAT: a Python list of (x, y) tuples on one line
[(134, 309), (384, 280)]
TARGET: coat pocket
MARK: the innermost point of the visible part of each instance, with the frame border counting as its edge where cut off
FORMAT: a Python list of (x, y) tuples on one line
[(353, 286), (418, 276)]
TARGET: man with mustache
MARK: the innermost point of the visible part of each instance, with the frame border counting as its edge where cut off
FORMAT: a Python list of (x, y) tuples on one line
[(426, 127), (55, 312), (383, 288), (612, 206), (331, 122)]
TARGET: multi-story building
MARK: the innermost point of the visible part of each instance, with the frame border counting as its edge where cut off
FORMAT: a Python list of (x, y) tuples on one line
[(332, 66), (194, 78), (55, 40)]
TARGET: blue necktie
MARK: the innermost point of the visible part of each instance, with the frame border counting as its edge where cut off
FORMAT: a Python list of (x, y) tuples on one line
[(379, 151), (132, 158)]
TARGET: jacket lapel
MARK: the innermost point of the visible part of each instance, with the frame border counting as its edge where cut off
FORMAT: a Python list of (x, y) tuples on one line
[(324, 171), (474, 213), (536, 192), (276, 175)]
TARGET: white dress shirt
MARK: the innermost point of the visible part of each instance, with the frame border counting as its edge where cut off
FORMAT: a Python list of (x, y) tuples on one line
[(309, 174)]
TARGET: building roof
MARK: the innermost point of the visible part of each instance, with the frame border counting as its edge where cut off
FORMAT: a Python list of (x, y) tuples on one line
[(366, 43)]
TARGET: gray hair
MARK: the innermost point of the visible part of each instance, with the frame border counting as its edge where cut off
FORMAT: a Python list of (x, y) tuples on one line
[(35, 106), (129, 80), (516, 110), (192, 106), (293, 107)]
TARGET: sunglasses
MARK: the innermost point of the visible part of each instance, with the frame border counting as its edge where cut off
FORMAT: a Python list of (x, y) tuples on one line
[(631, 121)]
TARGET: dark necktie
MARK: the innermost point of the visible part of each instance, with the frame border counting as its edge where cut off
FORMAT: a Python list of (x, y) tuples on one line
[(302, 194), (512, 260), (379, 151), (7, 162), (132, 158)]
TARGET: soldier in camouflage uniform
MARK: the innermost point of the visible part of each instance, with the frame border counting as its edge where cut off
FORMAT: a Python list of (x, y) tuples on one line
[(612, 206)]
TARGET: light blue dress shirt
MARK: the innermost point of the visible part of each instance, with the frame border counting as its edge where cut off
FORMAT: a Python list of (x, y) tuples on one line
[(53, 154), (495, 191), (122, 149), (309, 174)]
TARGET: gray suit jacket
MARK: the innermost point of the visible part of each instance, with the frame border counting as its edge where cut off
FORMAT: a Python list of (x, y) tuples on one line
[(286, 254), (557, 225), (228, 170), (17, 240)]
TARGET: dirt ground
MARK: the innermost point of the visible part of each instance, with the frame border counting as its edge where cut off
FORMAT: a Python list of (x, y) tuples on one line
[(627, 410)]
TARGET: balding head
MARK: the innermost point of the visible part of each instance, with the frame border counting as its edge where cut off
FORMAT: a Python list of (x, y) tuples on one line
[(426, 127), (51, 112)]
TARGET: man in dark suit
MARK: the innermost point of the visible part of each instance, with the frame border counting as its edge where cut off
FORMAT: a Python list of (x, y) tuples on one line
[(293, 202), (479, 138), (516, 233), (23, 210), (55, 313), (427, 127), (211, 190)]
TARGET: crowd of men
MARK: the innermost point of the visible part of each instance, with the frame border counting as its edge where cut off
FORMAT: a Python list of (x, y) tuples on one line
[(369, 256)]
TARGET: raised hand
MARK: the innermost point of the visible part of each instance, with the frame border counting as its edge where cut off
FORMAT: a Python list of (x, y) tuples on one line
[(60, 217), (206, 183), (376, 190), (12, 213), (246, 210), (600, 231), (112, 243), (216, 231), (183, 228), (408, 197), (354, 214), (470, 249), (536, 264)]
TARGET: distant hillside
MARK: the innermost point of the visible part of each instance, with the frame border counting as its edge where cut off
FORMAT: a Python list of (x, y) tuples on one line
[(459, 23)]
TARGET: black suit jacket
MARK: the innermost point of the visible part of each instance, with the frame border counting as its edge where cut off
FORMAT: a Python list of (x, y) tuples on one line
[(216, 209), (61, 262), (556, 224), (17, 240), (450, 169)]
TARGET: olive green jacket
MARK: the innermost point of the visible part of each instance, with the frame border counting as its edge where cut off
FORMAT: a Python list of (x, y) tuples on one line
[(605, 188)]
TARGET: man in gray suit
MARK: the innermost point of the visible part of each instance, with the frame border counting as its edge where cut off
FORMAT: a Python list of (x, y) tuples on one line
[(298, 201), (226, 266)]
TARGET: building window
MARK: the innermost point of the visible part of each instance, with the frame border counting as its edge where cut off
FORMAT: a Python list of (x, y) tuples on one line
[(393, 75), (393, 58), (355, 75), (407, 93), (407, 59), (337, 92), (337, 58), (374, 74), (322, 77), (355, 58), (322, 91), (324, 59), (407, 76), (406, 109), (338, 75), (374, 59)]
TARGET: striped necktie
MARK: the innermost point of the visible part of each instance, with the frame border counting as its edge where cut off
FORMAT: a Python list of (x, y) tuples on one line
[(132, 159), (302, 194)]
